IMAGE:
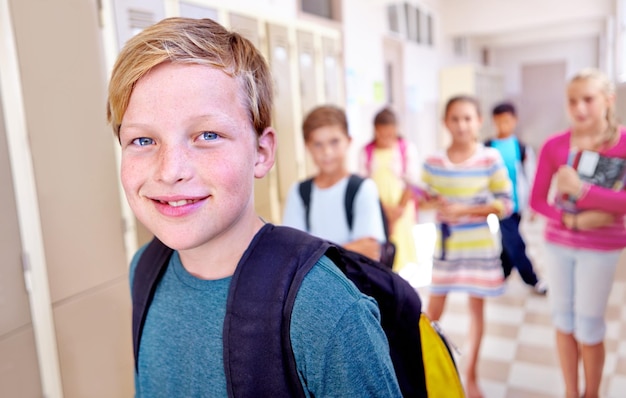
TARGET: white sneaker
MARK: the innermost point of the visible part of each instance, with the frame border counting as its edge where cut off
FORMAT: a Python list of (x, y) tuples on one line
[(541, 287)]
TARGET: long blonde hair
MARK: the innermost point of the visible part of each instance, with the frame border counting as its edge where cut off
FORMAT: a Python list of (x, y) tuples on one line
[(611, 134)]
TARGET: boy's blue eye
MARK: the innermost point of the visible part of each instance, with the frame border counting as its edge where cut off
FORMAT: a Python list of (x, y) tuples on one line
[(143, 141), (208, 136)]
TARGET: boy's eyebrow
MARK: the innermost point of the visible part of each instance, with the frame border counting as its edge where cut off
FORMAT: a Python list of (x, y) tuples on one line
[(224, 120), (135, 125), (210, 117)]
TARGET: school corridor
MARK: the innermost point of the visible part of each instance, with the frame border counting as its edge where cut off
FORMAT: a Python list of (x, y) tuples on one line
[(518, 357)]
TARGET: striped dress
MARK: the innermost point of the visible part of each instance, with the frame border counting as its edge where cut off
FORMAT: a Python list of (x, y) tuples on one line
[(467, 253)]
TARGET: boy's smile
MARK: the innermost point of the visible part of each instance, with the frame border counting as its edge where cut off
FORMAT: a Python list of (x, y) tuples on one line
[(173, 207), (190, 156)]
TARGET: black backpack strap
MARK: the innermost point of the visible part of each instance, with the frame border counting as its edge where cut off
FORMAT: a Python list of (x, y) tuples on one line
[(305, 193), (258, 316), (400, 309), (305, 187), (258, 356), (150, 269), (522, 151), (260, 309), (354, 183)]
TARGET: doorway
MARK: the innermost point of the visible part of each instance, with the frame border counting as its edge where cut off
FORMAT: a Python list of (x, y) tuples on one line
[(542, 106)]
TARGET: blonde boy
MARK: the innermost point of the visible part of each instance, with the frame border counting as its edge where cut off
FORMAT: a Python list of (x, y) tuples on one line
[(191, 104)]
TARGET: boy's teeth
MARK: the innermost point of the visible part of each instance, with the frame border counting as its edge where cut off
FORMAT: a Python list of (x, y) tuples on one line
[(181, 202)]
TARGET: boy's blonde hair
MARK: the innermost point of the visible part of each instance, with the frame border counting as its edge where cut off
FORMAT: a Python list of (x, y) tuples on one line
[(193, 41), (608, 89), (322, 116)]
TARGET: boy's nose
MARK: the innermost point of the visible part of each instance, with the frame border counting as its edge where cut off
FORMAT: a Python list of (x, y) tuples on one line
[(173, 164)]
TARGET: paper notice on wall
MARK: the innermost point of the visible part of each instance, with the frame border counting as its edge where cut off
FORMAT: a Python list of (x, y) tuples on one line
[(379, 92)]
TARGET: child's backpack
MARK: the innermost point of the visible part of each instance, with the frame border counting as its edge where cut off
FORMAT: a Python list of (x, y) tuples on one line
[(258, 358), (387, 249), (521, 148)]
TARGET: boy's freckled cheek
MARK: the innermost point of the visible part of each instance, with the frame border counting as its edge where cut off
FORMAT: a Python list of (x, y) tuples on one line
[(132, 173)]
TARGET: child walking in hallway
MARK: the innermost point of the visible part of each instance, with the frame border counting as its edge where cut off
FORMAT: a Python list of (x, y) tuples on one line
[(520, 163), (583, 243), (392, 162), (469, 182)]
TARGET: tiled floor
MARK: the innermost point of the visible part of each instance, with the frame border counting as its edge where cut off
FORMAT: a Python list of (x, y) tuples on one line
[(518, 355)]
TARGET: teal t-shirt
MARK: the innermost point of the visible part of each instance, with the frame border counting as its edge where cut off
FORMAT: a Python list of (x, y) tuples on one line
[(509, 150), (339, 346)]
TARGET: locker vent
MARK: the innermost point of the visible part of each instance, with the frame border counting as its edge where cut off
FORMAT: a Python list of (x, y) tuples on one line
[(410, 22), (139, 19), (393, 18)]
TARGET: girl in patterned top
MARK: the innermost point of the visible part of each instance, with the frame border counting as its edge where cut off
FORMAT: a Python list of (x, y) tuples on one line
[(468, 182)]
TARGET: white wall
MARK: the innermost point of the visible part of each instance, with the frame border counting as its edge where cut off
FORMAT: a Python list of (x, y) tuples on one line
[(514, 34), (537, 123), (479, 17), (365, 26), (421, 78), (577, 54)]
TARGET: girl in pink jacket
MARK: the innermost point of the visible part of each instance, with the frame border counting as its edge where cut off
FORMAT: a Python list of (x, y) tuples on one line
[(585, 231)]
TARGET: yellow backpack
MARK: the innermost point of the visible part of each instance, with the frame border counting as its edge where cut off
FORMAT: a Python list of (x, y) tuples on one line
[(442, 376)]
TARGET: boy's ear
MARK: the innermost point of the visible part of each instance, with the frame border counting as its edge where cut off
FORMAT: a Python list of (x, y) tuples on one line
[(265, 152)]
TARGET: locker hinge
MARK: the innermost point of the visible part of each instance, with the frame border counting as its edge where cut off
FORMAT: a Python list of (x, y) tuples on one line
[(28, 280), (100, 13)]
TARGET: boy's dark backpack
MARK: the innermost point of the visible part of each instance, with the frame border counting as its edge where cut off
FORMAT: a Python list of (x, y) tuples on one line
[(260, 301), (387, 249)]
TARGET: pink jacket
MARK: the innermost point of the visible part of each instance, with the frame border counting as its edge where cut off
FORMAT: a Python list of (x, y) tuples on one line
[(554, 153)]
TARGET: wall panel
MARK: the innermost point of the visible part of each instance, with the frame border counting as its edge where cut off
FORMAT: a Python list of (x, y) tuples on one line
[(61, 58)]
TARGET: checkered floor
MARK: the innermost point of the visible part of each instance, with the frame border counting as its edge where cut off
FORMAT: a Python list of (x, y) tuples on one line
[(518, 356)]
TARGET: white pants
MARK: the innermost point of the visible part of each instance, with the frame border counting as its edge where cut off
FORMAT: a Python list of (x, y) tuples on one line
[(580, 282)]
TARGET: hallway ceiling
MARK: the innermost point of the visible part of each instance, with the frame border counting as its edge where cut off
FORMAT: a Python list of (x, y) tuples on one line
[(497, 23)]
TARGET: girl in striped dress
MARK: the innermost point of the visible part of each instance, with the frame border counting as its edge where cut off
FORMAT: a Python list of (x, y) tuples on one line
[(468, 182)]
